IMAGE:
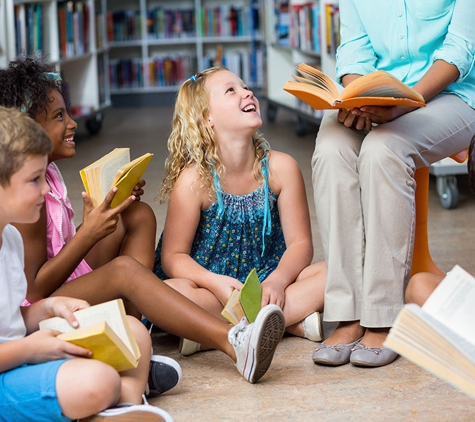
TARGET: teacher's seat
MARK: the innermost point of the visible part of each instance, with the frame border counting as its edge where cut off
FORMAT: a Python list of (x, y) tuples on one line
[(422, 260)]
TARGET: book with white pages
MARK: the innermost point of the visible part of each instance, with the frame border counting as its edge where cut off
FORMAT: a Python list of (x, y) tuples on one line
[(440, 335)]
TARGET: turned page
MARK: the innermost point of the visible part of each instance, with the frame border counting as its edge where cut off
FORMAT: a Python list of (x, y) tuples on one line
[(453, 303)]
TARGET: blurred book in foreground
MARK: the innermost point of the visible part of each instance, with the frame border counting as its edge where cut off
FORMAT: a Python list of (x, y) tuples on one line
[(440, 335)]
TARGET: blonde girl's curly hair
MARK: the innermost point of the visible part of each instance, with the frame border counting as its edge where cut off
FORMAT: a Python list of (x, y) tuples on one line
[(192, 140)]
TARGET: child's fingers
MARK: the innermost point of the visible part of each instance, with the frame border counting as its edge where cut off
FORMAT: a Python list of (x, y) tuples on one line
[(109, 197), (87, 203), (140, 184), (75, 350), (124, 204)]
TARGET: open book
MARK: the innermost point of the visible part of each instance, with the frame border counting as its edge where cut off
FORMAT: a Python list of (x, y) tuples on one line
[(113, 169), (377, 88), (245, 302), (440, 336), (104, 330)]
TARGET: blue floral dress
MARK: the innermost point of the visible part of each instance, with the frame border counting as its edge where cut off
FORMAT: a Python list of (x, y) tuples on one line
[(237, 234)]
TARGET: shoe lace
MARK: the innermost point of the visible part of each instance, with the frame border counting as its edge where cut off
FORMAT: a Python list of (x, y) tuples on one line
[(237, 334)]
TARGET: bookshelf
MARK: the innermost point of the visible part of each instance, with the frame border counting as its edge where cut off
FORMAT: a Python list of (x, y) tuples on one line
[(71, 36), (298, 31), (156, 44)]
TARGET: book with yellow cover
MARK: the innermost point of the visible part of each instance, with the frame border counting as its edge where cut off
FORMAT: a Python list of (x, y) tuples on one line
[(378, 88), (245, 302), (113, 169), (439, 336), (104, 330)]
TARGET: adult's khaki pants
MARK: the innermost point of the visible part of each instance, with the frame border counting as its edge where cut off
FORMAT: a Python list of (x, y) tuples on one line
[(364, 195)]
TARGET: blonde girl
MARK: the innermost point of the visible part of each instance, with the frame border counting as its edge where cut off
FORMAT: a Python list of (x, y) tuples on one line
[(235, 204)]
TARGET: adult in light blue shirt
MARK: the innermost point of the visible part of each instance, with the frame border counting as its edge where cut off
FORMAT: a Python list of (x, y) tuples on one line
[(365, 159)]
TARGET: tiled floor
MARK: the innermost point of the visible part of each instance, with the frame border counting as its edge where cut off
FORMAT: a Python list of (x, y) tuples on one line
[(294, 388)]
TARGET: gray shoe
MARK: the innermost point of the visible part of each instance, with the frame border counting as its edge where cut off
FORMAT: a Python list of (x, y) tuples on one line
[(336, 355), (371, 356)]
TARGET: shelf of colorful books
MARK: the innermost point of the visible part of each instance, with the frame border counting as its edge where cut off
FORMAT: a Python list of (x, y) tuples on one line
[(185, 36), (298, 31), (64, 34), (31, 36), (156, 74)]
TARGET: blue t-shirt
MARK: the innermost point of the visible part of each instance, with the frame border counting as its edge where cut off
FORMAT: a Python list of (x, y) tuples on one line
[(404, 38)]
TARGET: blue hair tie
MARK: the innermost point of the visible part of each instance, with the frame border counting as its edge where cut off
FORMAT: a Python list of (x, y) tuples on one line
[(52, 76), (193, 78)]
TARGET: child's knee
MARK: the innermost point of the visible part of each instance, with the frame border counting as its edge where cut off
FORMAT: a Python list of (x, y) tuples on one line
[(421, 286), (141, 334), (99, 385), (139, 212)]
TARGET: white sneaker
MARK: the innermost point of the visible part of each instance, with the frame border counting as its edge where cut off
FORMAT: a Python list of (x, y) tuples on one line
[(188, 347), (255, 343), (312, 327), (130, 412)]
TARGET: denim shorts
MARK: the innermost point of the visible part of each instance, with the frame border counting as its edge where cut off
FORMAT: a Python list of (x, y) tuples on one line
[(28, 393)]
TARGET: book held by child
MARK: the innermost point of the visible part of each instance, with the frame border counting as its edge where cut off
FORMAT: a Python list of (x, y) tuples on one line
[(440, 335), (104, 330), (113, 169), (377, 88), (245, 302)]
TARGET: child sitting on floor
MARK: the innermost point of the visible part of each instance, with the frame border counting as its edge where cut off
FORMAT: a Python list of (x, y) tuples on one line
[(31, 86), (43, 378), (234, 205)]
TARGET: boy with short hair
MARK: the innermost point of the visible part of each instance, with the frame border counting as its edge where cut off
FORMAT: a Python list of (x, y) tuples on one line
[(43, 378)]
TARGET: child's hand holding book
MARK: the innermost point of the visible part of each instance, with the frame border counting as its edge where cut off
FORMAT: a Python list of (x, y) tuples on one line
[(114, 170)]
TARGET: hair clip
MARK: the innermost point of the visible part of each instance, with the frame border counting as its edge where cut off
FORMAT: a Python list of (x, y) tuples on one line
[(193, 78), (52, 76)]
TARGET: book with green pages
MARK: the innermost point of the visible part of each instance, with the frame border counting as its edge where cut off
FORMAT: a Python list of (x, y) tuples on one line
[(245, 302)]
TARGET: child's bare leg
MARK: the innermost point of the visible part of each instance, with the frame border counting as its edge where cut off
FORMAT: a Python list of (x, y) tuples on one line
[(101, 386), (124, 277), (202, 297), (304, 296), (420, 286), (86, 387), (135, 237), (134, 381)]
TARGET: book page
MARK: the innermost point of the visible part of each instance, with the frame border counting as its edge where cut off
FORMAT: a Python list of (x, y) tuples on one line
[(110, 312), (109, 170), (453, 303), (228, 311), (379, 84), (420, 338), (318, 78), (428, 331), (250, 296), (128, 176)]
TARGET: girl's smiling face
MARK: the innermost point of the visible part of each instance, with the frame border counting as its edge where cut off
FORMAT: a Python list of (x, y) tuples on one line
[(59, 126), (232, 105)]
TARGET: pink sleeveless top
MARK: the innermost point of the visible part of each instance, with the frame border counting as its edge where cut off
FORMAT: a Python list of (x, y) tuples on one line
[(60, 227)]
